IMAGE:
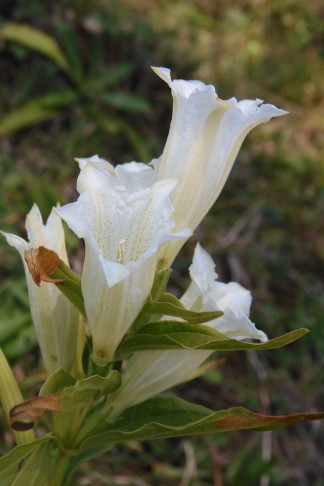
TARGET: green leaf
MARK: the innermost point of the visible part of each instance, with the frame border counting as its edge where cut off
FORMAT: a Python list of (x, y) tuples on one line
[(25, 463), (35, 111), (161, 279), (127, 102), (57, 381), (169, 305), (181, 335), (164, 417), (166, 298), (34, 39), (21, 344), (160, 282), (114, 75), (11, 326), (89, 389), (68, 38), (70, 285)]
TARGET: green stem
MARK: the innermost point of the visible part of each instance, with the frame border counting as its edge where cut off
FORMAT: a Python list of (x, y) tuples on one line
[(62, 470), (94, 369), (89, 425)]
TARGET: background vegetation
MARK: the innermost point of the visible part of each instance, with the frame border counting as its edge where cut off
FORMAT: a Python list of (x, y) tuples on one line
[(94, 94)]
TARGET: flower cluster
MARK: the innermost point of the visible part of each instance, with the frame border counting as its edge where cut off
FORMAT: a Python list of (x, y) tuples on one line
[(134, 218)]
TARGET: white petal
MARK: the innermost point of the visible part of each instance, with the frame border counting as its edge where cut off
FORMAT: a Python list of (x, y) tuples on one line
[(202, 269), (72, 214), (237, 327), (231, 298), (114, 272), (98, 162), (151, 372), (180, 86), (34, 226), (55, 319), (205, 136), (19, 243), (124, 218), (136, 175), (164, 74)]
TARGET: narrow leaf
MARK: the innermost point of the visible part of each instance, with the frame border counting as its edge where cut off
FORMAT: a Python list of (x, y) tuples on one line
[(24, 415), (126, 101), (11, 463), (34, 39), (160, 282), (89, 389), (68, 37), (181, 335), (57, 381), (165, 417), (35, 111), (169, 305), (161, 279), (38, 468)]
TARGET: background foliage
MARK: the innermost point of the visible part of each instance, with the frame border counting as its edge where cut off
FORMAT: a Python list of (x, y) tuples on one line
[(94, 94)]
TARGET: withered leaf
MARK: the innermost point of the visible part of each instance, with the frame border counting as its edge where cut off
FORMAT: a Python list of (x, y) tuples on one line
[(42, 263), (257, 420), (24, 415)]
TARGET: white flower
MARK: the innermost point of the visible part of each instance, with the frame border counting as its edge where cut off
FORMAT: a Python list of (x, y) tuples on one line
[(148, 373), (55, 319), (205, 136), (123, 217), (205, 293)]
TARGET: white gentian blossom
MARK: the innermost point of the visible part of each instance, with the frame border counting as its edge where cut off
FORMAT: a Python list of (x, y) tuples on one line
[(205, 136), (148, 373), (56, 320), (123, 217)]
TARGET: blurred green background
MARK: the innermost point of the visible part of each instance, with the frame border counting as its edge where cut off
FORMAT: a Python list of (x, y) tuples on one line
[(87, 88)]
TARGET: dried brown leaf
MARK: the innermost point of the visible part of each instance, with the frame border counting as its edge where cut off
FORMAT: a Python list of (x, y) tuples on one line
[(24, 415), (42, 263)]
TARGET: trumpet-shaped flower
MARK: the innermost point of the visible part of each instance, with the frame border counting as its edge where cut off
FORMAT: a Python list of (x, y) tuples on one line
[(55, 319), (205, 136), (148, 373), (123, 217)]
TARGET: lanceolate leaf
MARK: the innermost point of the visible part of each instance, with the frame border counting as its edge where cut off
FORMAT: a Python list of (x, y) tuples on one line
[(56, 382), (161, 279), (24, 463), (187, 315), (89, 389), (163, 417), (35, 111), (181, 335), (169, 305), (85, 391), (35, 39)]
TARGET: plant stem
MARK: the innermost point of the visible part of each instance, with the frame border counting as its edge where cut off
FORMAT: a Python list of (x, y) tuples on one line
[(61, 470)]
